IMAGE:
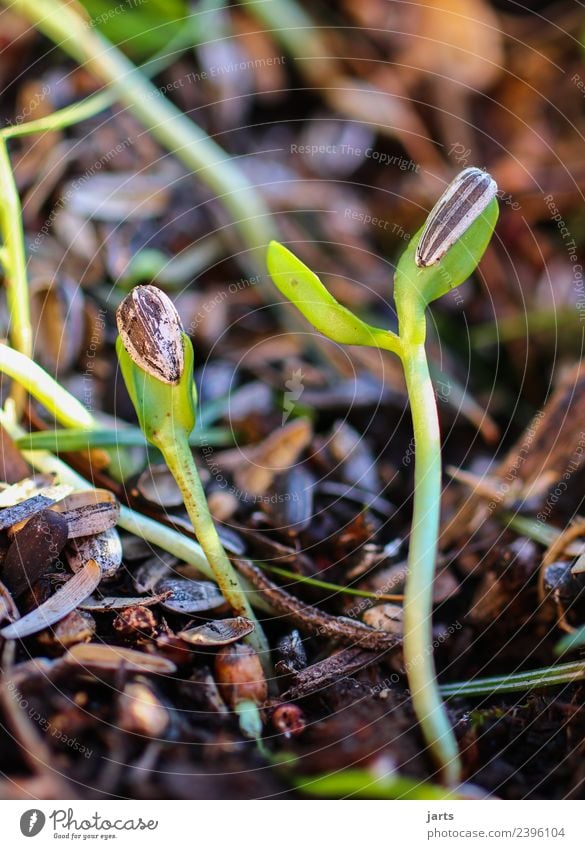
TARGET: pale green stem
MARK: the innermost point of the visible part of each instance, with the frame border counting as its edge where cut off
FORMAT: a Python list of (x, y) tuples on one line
[(172, 129), (178, 457), (422, 554), (60, 403), (14, 264), (532, 679)]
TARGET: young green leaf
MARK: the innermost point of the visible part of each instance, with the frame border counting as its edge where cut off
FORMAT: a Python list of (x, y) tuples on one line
[(304, 289), (423, 284)]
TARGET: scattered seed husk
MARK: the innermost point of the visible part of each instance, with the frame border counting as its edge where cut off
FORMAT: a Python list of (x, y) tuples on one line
[(357, 464), (101, 657), (17, 513), (239, 674), (90, 511), (255, 467), (157, 485), (289, 502), (8, 609), (105, 548), (103, 605), (149, 573), (77, 627), (140, 711), (219, 632), (190, 596), (385, 617), (314, 621), (33, 550), (66, 599)]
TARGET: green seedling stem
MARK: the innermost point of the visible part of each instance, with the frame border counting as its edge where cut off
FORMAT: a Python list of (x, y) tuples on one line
[(156, 361), (71, 31), (440, 257)]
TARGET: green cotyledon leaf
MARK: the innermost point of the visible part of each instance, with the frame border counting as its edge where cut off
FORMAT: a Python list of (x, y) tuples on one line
[(416, 286), (304, 289), (161, 408)]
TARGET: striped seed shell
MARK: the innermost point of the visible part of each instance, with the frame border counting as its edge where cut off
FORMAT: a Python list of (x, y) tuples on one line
[(106, 658), (151, 332), (219, 632), (464, 199), (105, 548)]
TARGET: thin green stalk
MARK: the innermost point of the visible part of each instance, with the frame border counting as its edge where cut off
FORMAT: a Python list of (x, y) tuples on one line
[(548, 676), (76, 439), (60, 403), (172, 129), (178, 457), (325, 585), (14, 263), (418, 596)]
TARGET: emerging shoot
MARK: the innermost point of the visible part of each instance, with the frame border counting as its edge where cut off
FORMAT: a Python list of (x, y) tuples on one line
[(441, 256), (156, 359)]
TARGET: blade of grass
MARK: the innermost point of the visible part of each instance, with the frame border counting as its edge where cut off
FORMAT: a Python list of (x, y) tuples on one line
[(548, 676), (74, 439), (325, 585)]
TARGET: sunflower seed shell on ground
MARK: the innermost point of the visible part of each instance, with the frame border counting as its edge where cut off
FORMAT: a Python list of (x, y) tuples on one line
[(66, 599), (219, 632), (105, 548), (190, 596), (101, 657)]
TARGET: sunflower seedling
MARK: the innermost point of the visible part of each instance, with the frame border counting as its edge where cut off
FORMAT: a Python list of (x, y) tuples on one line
[(156, 360), (441, 256)]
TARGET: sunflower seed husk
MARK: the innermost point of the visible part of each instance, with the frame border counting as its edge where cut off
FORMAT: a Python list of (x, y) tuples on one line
[(88, 512), (76, 627), (66, 599), (151, 332), (385, 617), (149, 573), (190, 596), (102, 657), (33, 550), (462, 202), (103, 605), (219, 632), (157, 485), (23, 510), (105, 548), (140, 711)]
